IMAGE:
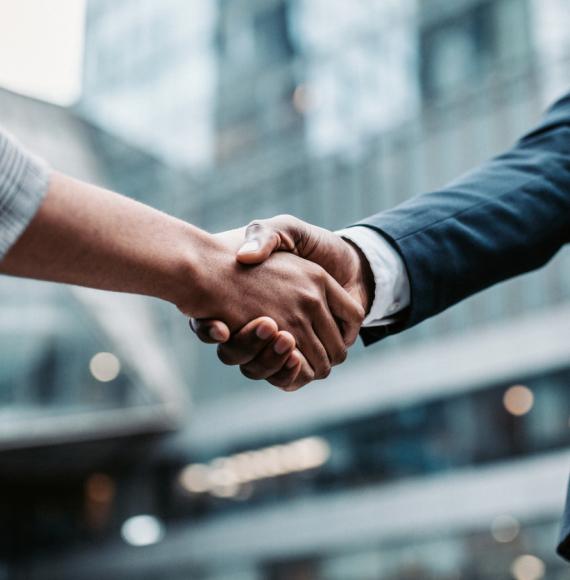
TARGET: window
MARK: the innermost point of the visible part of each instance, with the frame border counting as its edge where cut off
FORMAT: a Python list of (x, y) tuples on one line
[(272, 39), (456, 52), (461, 50), (429, 437)]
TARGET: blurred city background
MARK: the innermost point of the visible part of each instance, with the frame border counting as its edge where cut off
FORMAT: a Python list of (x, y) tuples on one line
[(127, 451)]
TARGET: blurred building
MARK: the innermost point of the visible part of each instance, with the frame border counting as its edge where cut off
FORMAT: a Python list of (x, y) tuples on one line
[(441, 453), (150, 75)]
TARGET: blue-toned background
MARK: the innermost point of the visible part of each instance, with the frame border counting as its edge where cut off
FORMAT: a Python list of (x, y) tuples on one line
[(128, 451)]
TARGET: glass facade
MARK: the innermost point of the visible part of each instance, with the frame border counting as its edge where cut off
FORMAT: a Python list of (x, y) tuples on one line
[(159, 88), (359, 66), (419, 464), (494, 424), (463, 49)]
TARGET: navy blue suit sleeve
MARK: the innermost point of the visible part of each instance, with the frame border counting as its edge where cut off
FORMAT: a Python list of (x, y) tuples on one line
[(507, 217)]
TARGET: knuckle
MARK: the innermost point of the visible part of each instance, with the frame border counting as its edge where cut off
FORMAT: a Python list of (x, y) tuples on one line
[(302, 382), (257, 369), (284, 217), (249, 344), (283, 383), (340, 356), (225, 355), (287, 379), (311, 300), (296, 320), (351, 339), (251, 368), (315, 272), (314, 304), (248, 373), (323, 372), (255, 225)]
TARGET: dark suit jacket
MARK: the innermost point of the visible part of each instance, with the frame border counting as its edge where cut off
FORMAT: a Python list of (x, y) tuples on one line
[(507, 217)]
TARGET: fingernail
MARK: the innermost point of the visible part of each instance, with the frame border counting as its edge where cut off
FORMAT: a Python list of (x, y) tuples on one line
[(216, 334), (249, 247), (264, 331), (281, 346)]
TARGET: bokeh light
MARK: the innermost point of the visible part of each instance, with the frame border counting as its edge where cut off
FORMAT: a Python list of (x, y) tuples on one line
[(225, 476), (105, 367), (99, 488), (305, 99), (505, 528), (195, 478), (527, 567), (518, 400), (143, 530)]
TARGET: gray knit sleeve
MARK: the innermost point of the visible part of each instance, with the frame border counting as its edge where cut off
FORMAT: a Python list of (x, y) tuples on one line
[(23, 184)]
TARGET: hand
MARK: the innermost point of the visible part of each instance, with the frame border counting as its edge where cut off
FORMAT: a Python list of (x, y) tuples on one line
[(298, 295), (341, 259), (261, 350)]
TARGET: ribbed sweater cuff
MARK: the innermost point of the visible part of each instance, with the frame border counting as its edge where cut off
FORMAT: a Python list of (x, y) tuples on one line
[(24, 181)]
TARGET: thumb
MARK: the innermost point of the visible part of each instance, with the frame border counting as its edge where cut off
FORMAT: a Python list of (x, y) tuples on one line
[(262, 238)]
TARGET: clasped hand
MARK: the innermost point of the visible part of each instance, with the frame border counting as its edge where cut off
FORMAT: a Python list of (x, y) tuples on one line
[(297, 300)]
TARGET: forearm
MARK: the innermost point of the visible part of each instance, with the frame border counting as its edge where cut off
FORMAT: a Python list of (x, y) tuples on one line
[(88, 236), (505, 218)]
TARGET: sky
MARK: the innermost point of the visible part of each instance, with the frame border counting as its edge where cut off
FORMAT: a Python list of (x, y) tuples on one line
[(41, 48)]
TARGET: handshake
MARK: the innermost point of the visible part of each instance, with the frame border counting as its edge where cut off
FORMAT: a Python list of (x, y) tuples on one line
[(283, 299)]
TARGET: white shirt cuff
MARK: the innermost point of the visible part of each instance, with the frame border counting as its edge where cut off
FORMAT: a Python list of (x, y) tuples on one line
[(392, 293)]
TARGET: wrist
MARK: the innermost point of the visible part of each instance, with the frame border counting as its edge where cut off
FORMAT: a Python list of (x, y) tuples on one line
[(363, 284), (195, 273)]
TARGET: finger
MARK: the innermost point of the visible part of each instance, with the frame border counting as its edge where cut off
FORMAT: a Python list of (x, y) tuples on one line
[(295, 360), (272, 359), (292, 379), (248, 342), (210, 331), (263, 237), (345, 309), (329, 333), (314, 351)]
